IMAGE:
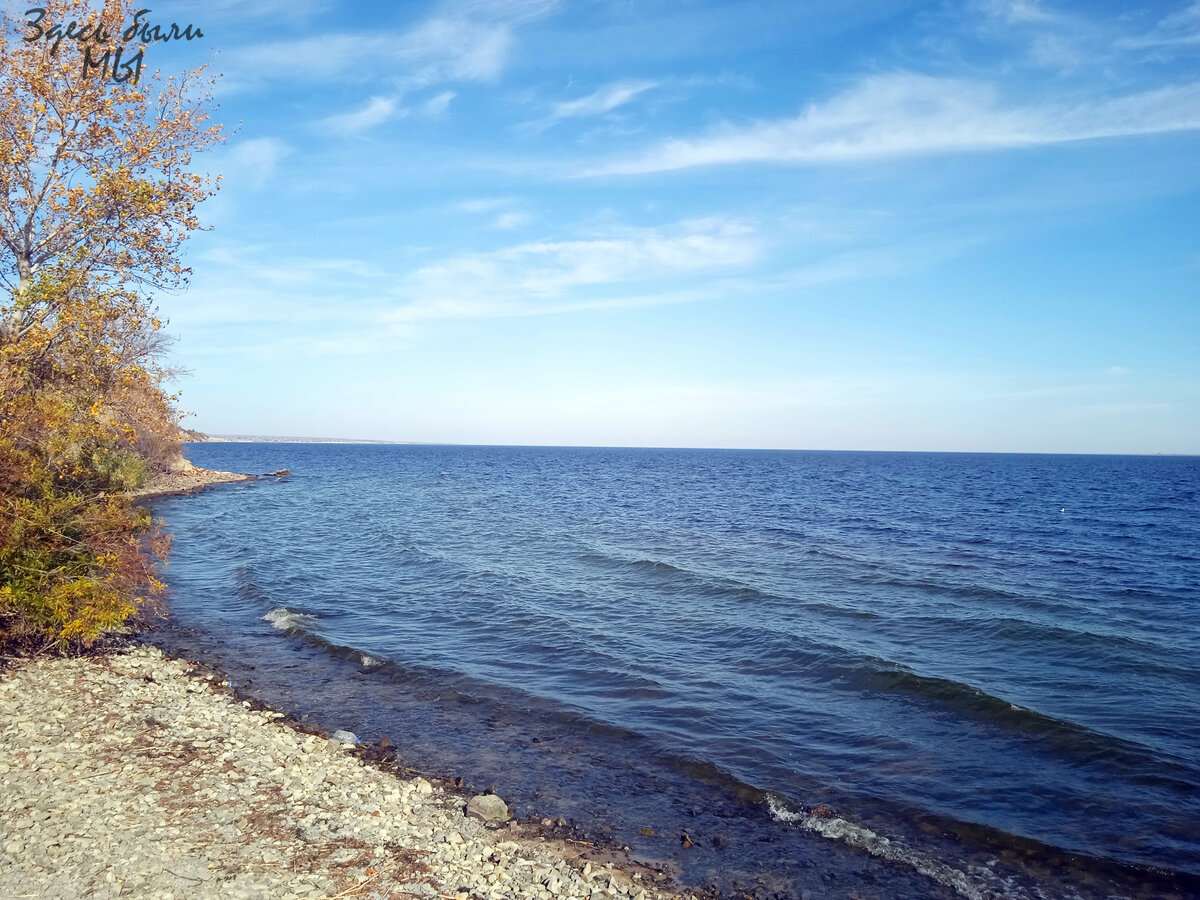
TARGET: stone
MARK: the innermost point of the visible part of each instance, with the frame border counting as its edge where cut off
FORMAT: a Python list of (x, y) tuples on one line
[(488, 808), (182, 791)]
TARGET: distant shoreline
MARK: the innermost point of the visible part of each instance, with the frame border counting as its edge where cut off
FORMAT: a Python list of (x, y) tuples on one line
[(268, 439), (264, 439)]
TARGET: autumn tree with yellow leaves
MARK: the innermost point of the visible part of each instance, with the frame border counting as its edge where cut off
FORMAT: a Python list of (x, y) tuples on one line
[(97, 195)]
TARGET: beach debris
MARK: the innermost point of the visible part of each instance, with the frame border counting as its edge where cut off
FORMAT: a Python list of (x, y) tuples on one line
[(685, 840), (488, 808), (345, 737)]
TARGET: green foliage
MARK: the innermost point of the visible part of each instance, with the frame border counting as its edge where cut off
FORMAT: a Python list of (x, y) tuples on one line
[(120, 470), (77, 559), (72, 565)]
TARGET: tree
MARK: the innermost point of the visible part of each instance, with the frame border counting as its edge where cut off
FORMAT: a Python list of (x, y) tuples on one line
[(96, 199), (94, 175)]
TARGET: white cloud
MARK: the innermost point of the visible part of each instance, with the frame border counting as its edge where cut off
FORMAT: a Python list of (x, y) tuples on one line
[(485, 204), (515, 11), (508, 215), (554, 276), (375, 112), (253, 265), (438, 50), (1017, 12), (905, 114), (457, 49), (256, 159), (437, 105), (205, 10), (464, 42), (1179, 29), (513, 219), (603, 99)]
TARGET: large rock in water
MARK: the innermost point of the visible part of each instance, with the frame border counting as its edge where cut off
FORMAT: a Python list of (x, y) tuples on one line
[(488, 808)]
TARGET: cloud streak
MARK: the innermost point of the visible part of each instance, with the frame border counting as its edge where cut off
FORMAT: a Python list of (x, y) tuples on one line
[(375, 112), (255, 160), (602, 100), (556, 276), (464, 42), (899, 115)]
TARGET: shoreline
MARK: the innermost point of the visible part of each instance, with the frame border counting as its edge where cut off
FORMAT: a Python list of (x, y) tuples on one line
[(192, 481), (446, 855), (132, 774)]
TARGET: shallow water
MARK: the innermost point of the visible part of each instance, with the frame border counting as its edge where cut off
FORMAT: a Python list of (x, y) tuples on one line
[(986, 665)]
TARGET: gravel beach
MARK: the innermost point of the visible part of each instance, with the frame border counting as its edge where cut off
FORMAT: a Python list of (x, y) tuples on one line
[(136, 775)]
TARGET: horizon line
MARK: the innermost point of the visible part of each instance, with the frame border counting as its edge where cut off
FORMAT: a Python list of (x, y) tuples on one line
[(272, 439)]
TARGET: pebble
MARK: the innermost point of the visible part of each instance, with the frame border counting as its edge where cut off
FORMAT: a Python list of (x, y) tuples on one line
[(127, 776)]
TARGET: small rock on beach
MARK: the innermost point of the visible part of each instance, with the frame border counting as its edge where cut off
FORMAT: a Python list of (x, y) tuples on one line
[(487, 808), (135, 776)]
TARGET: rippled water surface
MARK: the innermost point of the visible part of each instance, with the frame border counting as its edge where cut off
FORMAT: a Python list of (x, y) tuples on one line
[(986, 666)]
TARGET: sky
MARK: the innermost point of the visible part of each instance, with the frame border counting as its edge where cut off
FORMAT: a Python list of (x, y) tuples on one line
[(879, 225)]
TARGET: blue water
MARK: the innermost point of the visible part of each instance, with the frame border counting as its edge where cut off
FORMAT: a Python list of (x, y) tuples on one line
[(986, 666)]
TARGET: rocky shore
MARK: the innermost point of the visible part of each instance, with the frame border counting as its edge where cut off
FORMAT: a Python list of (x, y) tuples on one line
[(189, 480), (135, 775)]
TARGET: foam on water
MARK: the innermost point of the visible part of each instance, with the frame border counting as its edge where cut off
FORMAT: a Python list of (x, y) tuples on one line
[(289, 621), (979, 885)]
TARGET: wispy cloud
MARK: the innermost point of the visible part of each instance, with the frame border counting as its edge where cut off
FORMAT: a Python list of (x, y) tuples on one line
[(603, 99), (463, 42), (514, 219), (255, 264), (485, 204), (255, 160), (439, 50), (222, 10), (375, 112), (1017, 12), (508, 213), (907, 114), (438, 104), (554, 276), (514, 11), (1057, 39), (1179, 29), (256, 286)]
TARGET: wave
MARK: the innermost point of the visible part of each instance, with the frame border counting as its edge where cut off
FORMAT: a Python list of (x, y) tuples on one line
[(975, 885), (851, 569), (290, 621)]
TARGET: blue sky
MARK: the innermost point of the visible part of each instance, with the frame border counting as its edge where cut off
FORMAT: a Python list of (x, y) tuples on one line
[(868, 225)]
